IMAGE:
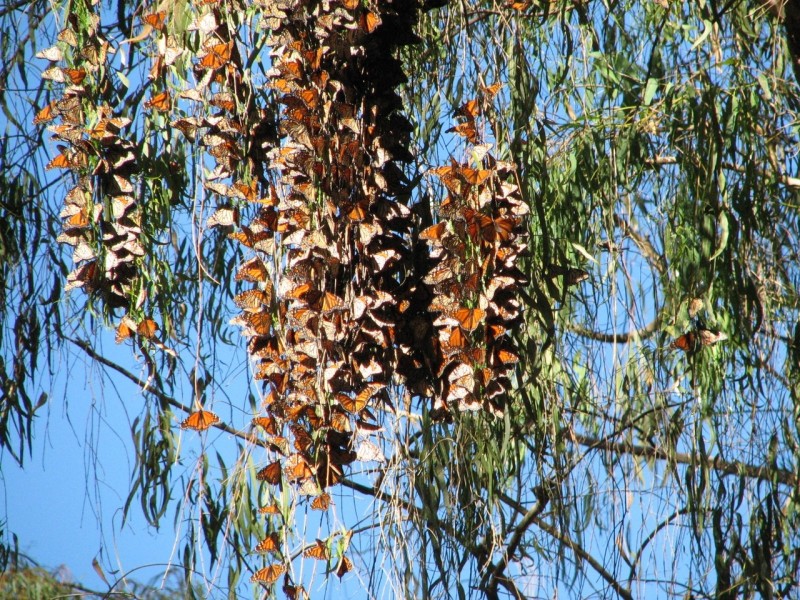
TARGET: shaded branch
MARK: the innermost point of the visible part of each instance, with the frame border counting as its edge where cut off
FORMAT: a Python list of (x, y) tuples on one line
[(715, 463), (496, 576), (584, 555), (656, 259), (787, 180), (617, 338)]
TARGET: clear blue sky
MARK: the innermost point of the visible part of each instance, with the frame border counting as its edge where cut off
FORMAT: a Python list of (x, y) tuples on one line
[(65, 506)]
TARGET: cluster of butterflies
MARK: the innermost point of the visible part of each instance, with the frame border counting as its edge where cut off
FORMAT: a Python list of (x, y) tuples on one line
[(325, 363), (341, 224), (106, 241), (474, 280)]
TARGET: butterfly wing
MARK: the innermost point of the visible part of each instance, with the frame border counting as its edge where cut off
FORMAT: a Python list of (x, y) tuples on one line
[(200, 420)]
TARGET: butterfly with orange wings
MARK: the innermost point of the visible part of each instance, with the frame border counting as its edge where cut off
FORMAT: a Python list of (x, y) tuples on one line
[(319, 551), (271, 543), (269, 575), (700, 336), (200, 420)]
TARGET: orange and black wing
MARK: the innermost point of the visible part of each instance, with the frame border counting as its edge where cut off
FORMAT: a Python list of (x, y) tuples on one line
[(200, 420)]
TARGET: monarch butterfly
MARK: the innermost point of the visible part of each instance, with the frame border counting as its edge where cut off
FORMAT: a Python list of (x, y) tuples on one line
[(108, 128), (368, 451), (474, 356), (331, 302), (269, 574), (271, 473), (485, 376), (475, 176), (271, 544), (469, 318), (310, 97), (270, 509), (314, 419), (340, 422), (159, 102), (300, 291), (692, 341), (295, 592), (456, 340), (68, 37), (47, 114), (155, 20), (251, 300), (218, 56), (79, 220), (318, 551), (70, 110), (302, 440), (297, 468), (124, 329), (575, 276), (461, 375), (470, 110), (345, 566), (688, 342), (505, 357), (321, 502), (492, 90), (253, 271), (53, 54), (357, 404), (224, 216), (62, 161), (709, 337), (147, 329), (358, 212), (76, 76), (259, 322), (434, 232), (200, 420), (267, 423), (466, 130), (250, 192)]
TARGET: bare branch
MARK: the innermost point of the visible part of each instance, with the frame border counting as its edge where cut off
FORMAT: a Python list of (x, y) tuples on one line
[(617, 338), (656, 259), (714, 463), (584, 555), (787, 180), (496, 576)]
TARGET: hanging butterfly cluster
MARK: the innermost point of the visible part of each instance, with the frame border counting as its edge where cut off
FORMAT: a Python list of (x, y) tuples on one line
[(346, 299), (101, 217), (341, 222), (474, 277), (351, 307), (323, 338), (235, 132)]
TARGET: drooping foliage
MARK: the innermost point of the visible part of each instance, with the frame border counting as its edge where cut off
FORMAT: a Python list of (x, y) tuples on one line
[(524, 274)]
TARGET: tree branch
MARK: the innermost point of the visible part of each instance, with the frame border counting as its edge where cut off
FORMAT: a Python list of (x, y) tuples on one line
[(572, 545), (787, 180), (158, 393), (617, 338), (714, 463), (653, 257), (582, 554), (496, 576)]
